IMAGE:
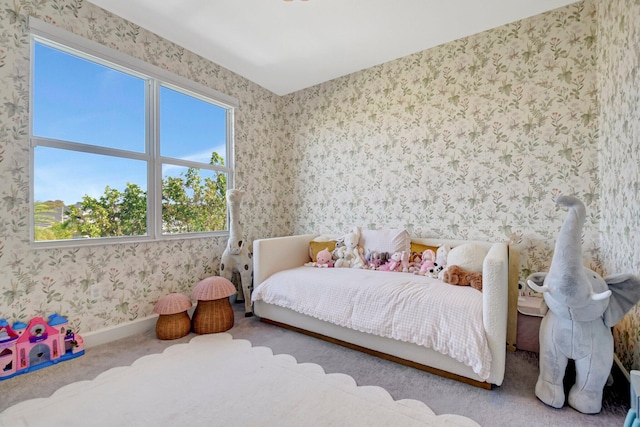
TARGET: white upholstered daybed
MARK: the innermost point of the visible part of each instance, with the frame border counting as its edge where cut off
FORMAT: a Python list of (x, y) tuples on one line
[(281, 282)]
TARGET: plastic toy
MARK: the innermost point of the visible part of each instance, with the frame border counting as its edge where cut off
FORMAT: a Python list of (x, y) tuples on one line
[(28, 347)]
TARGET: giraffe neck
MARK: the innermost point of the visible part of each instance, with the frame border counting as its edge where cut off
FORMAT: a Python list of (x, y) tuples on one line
[(235, 243)]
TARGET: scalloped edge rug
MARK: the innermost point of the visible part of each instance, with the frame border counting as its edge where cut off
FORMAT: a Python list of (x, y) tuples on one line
[(215, 380)]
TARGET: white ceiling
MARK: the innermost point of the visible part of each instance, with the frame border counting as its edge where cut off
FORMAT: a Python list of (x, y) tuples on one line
[(286, 46)]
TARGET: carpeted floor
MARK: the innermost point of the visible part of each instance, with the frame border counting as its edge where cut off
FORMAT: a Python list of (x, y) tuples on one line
[(204, 383), (514, 403)]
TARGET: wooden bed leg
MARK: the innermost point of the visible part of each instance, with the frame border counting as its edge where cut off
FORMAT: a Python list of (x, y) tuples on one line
[(512, 313)]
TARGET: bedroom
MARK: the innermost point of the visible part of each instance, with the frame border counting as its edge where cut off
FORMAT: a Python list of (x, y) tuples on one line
[(579, 115)]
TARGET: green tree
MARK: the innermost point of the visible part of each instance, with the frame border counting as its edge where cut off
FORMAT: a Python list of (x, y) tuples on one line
[(114, 214), (190, 203)]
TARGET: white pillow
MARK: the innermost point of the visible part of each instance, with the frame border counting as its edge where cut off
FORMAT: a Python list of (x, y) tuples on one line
[(468, 256), (385, 240)]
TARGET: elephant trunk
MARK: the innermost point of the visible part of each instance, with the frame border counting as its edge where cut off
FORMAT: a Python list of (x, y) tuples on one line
[(566, 276)]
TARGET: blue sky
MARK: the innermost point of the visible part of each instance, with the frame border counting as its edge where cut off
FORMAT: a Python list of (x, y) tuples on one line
[(79, 101)]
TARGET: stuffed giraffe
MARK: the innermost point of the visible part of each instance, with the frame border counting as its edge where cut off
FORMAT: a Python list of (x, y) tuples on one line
[(236, 257)]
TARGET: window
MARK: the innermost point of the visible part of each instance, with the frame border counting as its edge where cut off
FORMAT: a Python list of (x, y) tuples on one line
[(122, 150)]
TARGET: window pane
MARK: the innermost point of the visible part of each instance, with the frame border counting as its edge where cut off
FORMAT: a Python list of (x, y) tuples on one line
[(191, 129), (81, 195), (81, 101), (97, 97), (193, 200)]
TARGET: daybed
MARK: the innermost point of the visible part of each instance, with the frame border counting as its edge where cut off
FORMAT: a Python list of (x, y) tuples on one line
[(281, 280)]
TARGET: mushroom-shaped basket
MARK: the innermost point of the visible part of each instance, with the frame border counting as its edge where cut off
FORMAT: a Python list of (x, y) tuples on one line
[(213, 313), (173, 322)]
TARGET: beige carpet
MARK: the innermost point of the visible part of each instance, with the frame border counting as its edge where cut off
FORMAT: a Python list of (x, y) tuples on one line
[(215, 380)]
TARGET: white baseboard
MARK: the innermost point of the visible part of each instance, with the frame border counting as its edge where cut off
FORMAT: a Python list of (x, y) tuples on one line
[(113, 333), (124, 330)]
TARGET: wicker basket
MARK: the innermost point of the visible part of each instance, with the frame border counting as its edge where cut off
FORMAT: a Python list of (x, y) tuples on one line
[(173, 326), (212, 317)]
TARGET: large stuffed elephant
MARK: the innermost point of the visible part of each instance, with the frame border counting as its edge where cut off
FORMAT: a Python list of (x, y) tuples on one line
[(582, 309)]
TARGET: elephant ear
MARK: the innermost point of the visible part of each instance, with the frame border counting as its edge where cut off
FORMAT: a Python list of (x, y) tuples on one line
[(625, 293)]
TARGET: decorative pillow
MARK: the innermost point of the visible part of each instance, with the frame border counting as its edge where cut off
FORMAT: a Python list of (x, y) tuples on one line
[(316, 246), (468, 256), (385, 240), (419, 247)]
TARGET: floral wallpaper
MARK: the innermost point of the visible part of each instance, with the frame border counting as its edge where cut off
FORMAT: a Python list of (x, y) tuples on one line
[(471, 139), (619, 75), (130, 277)]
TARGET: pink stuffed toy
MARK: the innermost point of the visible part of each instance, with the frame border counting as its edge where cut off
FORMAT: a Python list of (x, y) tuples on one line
[(323, 259), (374, 260), (394, 263), (428, 262)]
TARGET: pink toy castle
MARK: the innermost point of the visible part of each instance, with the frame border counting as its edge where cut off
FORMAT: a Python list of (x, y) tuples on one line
[(39, 344)]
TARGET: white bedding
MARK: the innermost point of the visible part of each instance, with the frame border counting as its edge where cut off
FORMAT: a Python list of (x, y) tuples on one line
[(402, 306)]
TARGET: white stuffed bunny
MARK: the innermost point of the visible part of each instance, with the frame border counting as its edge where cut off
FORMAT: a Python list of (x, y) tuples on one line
[(351, 254)]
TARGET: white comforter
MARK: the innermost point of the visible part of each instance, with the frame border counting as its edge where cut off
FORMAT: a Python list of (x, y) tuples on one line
[(402, 306)]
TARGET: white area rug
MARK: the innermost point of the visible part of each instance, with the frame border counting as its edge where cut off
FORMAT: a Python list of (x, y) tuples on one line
[(215, 380)]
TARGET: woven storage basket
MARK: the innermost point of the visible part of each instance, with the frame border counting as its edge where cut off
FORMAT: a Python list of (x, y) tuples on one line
[(173, 326), (212, 317)]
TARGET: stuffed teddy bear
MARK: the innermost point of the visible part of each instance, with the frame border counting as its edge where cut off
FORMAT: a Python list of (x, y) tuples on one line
[(323, 259), (456, 275), (350, 255)]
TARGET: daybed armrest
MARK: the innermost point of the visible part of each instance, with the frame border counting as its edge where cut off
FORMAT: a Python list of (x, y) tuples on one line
[(279, 253), (495, 281)]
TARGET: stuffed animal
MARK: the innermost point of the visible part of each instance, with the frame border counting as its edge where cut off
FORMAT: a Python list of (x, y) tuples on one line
[(324, 259), (426, 268), (338, 250), (456, 275), (435, 271), (427, 263), (441, 256), (469, 256), (384, 257), (416, 258), (583, 308), (404, 262), (394, 263), (374, 259), (351, 254), (342, 255)]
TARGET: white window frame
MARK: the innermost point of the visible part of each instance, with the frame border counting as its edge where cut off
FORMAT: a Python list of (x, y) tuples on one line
[(155, 77)]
